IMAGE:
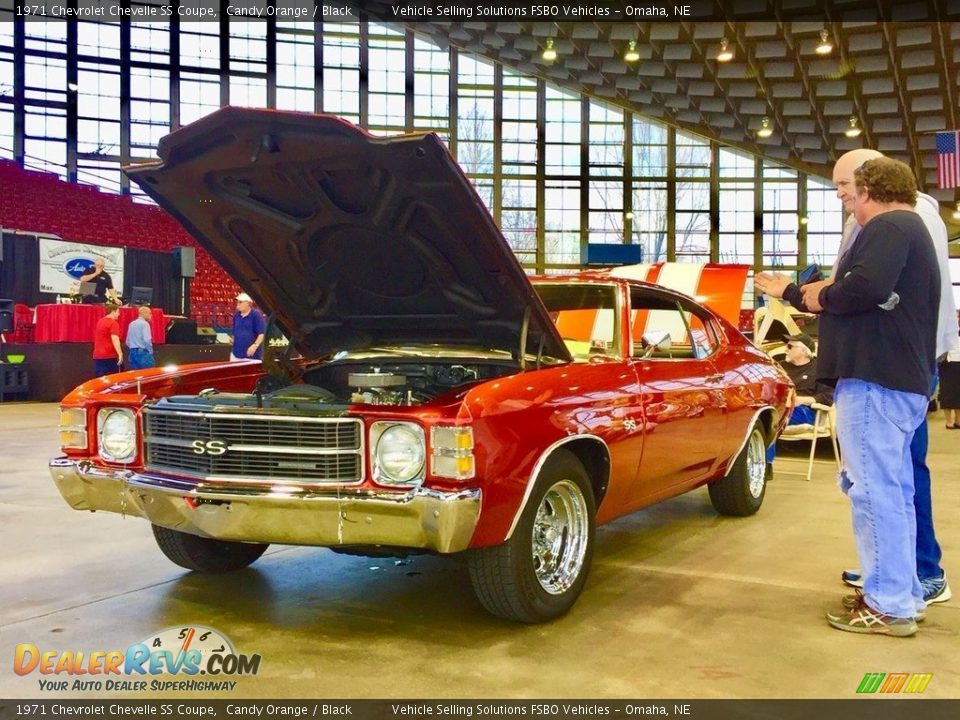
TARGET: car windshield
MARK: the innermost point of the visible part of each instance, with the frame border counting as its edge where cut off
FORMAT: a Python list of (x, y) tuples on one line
[(585, 316)]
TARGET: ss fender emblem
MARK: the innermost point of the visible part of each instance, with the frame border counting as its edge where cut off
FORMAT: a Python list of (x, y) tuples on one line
[(208, 447)]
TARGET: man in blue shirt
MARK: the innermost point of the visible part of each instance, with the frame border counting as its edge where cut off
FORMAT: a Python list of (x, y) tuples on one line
[(248, 329), (140, 341)]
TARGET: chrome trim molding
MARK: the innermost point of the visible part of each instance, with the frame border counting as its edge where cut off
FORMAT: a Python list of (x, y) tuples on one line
[(254, 414), (281, 513), (539, 466)]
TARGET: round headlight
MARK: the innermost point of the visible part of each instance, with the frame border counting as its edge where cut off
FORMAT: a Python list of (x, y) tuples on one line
[(118, 435), (399, 454)]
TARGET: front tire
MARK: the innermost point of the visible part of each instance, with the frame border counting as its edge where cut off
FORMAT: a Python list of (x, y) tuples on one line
[(742, 491), (205, 555), (538, 573)]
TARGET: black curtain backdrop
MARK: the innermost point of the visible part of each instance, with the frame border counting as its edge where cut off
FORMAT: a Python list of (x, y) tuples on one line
[(147, 268), (20, 271)]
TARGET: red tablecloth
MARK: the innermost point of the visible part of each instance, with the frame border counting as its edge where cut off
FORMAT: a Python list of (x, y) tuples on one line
[(76, 323)]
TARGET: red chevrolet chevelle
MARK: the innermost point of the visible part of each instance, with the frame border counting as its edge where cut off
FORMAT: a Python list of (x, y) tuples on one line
[(432, 396)]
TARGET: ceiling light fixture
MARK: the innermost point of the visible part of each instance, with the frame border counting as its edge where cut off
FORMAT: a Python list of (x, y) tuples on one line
[(825, 47), (725, 54), (631, 55), (854, 130), (549, 52), (765, 130)]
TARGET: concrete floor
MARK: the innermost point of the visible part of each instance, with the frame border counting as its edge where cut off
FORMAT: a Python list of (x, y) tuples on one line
[(680, 603)]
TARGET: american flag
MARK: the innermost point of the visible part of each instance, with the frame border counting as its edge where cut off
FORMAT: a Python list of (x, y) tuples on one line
[(948, 159)]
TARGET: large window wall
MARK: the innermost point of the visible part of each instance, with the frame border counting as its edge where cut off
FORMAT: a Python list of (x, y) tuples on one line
[(557, 170)]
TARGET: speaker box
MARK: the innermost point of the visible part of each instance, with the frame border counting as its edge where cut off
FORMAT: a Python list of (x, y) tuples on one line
[(206, 336), (185, 261), (6, 316), (182, 331)]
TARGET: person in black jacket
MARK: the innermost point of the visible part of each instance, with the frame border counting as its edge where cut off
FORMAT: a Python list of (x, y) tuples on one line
[(101, 278), (800, 363), (878, 346)]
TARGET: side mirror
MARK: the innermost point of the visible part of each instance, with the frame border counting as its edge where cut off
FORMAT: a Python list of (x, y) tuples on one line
[(654, 341)]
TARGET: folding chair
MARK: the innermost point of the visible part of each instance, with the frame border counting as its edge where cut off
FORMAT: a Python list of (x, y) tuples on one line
[(824, 425)]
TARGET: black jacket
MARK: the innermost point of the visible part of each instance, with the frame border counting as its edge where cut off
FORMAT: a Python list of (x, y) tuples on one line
[(103, 282), (858, 339), (804, 377)]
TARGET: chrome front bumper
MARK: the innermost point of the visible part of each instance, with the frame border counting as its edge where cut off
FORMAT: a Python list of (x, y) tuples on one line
[(420, 518)]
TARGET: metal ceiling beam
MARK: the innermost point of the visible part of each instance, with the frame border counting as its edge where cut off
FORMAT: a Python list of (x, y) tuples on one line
[(898, 83)]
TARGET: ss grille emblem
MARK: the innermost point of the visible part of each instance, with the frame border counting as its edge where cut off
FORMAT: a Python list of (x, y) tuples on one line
[(208, 447)]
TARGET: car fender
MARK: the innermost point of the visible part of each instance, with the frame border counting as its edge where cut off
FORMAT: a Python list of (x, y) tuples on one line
[(538, 466), (746, 435)]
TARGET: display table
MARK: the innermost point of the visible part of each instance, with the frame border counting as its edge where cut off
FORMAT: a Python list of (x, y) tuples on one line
[(76, 323)]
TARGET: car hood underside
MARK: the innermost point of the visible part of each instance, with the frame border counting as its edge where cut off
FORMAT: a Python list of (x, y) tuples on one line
[(350, 240)]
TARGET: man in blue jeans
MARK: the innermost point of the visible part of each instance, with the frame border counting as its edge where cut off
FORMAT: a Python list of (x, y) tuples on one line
[(878, 330), (140, 341), (931, 574)]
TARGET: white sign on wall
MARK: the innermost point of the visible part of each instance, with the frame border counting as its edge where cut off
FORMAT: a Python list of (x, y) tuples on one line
[(62, 264)]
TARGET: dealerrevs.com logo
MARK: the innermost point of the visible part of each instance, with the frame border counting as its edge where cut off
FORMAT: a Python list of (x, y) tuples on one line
[(185, 652)]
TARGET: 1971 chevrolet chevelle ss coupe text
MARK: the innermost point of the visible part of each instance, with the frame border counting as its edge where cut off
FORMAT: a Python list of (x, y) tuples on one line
[(432, 398)]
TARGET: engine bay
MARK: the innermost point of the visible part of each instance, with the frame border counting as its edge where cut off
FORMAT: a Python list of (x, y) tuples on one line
[(335, 386)]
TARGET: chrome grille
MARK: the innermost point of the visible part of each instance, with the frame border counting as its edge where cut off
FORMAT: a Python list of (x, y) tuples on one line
[(255, 447)]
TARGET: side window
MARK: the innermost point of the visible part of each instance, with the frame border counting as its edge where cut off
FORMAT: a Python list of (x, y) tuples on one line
[(585, 316), (662, 328), (704, 335)]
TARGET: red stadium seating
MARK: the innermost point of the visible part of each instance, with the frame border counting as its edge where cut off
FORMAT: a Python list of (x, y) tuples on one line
[(41, 202)]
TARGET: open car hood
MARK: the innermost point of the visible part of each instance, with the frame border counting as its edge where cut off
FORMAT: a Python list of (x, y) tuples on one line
[(351, 240)]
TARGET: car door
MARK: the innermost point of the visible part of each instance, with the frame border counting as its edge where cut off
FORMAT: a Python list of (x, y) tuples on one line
[(681, 392)]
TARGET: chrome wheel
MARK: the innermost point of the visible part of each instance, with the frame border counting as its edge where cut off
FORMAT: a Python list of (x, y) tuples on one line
[(537, 574), (561, 531), (756, 463), (741, 491)]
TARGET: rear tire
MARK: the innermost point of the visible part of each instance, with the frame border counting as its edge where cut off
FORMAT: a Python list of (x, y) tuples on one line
[(742, 491), (205, 555), (538, 573)]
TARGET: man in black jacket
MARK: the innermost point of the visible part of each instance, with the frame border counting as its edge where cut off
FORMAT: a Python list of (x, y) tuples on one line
[(800, 363), (878, 345), (101, 278)]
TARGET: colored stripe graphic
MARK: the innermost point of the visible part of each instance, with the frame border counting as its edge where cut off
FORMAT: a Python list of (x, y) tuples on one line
[(894, 682), (871, 682), (918, 682)]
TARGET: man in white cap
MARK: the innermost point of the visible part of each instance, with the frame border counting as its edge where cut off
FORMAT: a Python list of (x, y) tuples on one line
[(248, 330)]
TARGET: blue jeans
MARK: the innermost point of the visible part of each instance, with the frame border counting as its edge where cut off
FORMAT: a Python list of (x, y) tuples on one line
[(141, 358), (105, 367), (928, 549), (875, 427)]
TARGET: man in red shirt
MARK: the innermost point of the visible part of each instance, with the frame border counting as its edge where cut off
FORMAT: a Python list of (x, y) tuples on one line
[(107, 353)]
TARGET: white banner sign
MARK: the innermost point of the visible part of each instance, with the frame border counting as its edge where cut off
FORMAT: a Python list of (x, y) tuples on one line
[(62, 264)]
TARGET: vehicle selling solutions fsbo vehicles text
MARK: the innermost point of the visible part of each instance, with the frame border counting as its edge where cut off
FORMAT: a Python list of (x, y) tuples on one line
[(585, 12)]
